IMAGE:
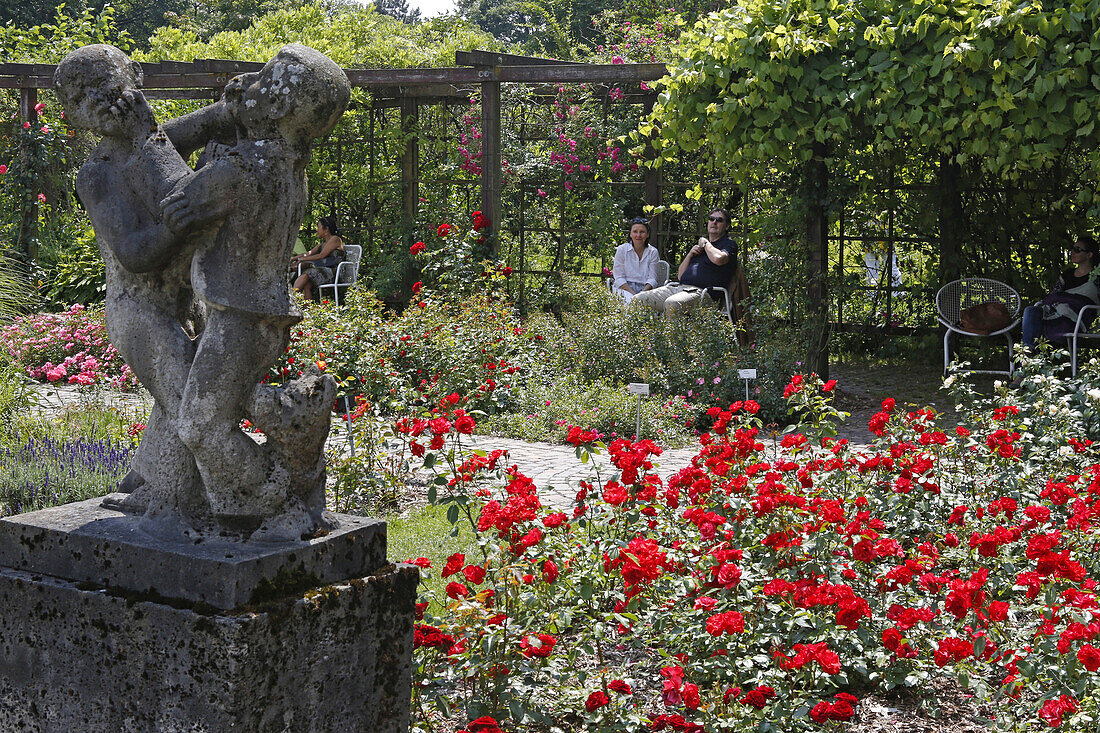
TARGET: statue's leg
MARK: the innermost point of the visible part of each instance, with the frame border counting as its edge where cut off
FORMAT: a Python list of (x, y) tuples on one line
[(234, 353), (154, 344)]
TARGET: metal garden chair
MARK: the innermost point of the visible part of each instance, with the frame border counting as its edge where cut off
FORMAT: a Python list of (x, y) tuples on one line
[(958, 295), (1081, 336), (346, 272)]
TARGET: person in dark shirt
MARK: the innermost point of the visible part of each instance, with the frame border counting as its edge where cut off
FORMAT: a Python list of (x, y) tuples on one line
[(1056, 314), (710, 263)]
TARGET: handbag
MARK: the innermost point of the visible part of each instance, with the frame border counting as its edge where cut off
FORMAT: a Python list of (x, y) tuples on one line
[(333, 260)]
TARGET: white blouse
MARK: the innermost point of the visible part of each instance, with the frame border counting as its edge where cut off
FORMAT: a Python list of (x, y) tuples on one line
[(629, 268)]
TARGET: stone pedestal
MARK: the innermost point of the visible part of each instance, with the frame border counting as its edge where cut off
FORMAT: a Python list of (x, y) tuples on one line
[(105, 628)]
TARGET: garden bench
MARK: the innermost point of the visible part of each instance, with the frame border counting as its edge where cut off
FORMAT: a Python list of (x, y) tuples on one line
[(958, 295)]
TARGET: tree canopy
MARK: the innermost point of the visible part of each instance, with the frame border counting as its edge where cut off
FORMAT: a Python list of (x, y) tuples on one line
[(1009, 85), (353, 36)]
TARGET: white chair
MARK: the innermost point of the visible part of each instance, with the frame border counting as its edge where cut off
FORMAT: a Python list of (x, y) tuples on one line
[(1081, 334), (662, 276), (958, 295), (346, 272)]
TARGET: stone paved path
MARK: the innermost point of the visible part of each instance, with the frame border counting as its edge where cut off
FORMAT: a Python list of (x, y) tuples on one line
[(557, 471)]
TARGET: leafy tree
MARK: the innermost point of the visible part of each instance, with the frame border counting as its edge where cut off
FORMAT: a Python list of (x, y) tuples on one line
[(353, 36), (398, 9)]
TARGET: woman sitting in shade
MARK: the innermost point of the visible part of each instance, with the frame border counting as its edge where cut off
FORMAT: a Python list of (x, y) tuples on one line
[(325, 258), (1056, 315), (635, 268)]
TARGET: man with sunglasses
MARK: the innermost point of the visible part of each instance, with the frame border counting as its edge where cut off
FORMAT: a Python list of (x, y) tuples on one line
[(710, 263)]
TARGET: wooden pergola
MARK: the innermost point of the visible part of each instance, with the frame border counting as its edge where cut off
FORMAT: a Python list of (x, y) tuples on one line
[(403, 88)]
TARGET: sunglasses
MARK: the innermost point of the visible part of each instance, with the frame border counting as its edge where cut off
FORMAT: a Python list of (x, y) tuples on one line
[(1078, 250), (715, 218)]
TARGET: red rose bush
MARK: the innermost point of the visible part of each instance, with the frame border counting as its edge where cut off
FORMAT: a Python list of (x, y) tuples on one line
[(772, 584)]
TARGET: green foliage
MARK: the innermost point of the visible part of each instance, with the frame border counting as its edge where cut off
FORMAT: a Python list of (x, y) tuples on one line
[(16, 293), (1002, 84), (369, 477), (354, 37), (47, 43), (74, 270), (551, 403), (695, 355)]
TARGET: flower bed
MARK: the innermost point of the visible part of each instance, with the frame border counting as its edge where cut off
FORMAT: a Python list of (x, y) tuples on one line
[(70, 347), (773, 586)]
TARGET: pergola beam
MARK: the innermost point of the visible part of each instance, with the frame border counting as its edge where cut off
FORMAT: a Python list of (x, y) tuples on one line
[(202, 75)]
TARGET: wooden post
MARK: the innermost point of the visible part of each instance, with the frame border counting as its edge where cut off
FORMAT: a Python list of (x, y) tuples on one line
[(410, 161), (652, 179), (28, 224), (490, 162), (950, 219), (817, 242)]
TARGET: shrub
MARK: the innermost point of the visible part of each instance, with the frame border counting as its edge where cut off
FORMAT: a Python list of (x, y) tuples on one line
[(694, 355), (759, 590), (473, 345), (70, 347), (551, 403)]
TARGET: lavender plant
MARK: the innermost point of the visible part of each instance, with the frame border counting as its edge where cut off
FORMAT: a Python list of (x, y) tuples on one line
[(44, 472)]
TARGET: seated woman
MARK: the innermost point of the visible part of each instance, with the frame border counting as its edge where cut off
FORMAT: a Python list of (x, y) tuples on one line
[(325, 258), (635, 268), (1056, 315)]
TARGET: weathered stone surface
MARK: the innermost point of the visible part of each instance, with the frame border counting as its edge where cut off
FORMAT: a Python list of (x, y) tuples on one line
[(86, 542), (78, 658), (215, 240)]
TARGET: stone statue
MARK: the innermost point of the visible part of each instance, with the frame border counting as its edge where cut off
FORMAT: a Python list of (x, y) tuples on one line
[(224, 232), (147, 264)]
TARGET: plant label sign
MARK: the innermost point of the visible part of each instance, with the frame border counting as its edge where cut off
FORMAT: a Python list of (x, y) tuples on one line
[(746, 373), (638, 388)]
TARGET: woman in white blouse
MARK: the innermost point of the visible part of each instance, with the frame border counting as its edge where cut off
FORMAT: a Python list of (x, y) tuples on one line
[(635, 267)]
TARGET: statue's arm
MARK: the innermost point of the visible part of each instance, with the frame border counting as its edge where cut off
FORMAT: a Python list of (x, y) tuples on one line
[(195, 129), (139, 249), (206, 197)]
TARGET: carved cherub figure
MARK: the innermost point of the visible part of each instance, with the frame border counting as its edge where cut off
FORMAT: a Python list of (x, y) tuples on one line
[(147, 263), (248, 200)]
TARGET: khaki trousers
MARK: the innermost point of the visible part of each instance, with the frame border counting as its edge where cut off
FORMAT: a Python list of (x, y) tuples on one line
[(669, 298)]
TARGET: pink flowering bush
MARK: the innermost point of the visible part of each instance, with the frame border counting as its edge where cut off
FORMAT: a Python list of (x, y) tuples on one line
[(771, 585), (68, 348)]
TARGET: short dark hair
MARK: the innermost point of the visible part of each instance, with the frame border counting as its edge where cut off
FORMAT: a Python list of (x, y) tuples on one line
[(329, 223), (724, 212)]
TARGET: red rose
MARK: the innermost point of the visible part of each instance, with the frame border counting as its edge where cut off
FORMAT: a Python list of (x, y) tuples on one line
[(539, 645), (828, 386), (549, 571), (553, 521), (457, 590), (484, 724), (620, 686), (417, 285), (1090, 657), (465, 424), (596, 701), (691, 696), (443, 230), (475, 574), (454, 564), (417, 248), (758, 697)]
